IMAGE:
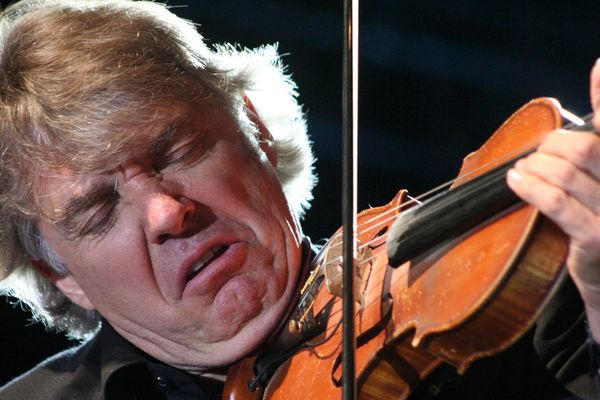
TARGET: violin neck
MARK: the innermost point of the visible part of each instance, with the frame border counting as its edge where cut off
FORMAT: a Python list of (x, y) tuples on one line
[(450, 214)]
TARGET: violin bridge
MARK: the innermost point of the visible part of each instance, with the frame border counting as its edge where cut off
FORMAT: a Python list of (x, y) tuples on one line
[(334, 269)]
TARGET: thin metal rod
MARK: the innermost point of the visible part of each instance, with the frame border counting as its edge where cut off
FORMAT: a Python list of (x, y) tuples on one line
[(350, 129)]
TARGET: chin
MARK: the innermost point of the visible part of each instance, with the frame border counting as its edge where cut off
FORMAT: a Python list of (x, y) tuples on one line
[(239, 339), (254, 335)]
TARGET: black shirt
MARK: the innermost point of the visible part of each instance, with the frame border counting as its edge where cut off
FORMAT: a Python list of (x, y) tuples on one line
[(109, 368)]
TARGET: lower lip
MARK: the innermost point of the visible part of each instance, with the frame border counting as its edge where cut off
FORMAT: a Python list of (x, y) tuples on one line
[(218, 272)]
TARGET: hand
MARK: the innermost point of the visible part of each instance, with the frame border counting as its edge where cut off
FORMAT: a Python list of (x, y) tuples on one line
[(562, 180)]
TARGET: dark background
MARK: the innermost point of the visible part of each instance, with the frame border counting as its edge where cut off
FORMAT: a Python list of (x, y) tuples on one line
[(437, 78)]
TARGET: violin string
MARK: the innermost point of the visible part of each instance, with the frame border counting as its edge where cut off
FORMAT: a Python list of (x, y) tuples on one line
[(381, 220), (438, 189), (391, 214), (378, 285)]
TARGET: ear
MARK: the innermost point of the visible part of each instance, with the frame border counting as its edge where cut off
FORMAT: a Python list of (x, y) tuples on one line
[(67, 284), (265, 139), (70, 288)]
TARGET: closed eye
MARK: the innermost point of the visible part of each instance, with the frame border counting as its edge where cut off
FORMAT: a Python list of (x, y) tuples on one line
[(182, 156), (173, 157), (91, 213), (100, 220)]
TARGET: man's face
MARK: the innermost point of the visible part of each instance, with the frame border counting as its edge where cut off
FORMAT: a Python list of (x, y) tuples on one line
[(190, 252)]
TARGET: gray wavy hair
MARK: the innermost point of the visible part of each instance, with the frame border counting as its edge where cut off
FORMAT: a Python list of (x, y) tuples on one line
[(72, 73)]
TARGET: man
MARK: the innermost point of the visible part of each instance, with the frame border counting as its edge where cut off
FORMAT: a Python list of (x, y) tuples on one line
[(153, 186), (142, 155)]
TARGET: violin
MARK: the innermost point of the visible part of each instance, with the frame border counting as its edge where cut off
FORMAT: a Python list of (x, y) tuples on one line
[(455, 278)]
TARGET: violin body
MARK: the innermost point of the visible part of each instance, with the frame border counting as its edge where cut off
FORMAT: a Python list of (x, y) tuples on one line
[(467, 298)]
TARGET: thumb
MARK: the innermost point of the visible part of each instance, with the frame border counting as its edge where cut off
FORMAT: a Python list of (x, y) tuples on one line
[(595, 93)]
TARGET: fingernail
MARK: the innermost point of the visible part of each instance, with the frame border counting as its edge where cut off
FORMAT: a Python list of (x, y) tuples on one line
[(514, 175)]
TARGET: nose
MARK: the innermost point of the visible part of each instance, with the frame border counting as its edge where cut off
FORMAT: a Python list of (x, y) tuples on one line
[(167, 216)]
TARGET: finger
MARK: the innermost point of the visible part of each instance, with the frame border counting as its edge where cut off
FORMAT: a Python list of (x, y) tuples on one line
[(595, 87), (595, 93), (562, 174), (574, 218), (582, 149)]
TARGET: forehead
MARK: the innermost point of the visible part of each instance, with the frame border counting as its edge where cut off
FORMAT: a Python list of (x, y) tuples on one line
[(104, 147)]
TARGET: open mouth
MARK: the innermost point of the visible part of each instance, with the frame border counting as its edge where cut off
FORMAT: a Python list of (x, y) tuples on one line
[(206, 259)]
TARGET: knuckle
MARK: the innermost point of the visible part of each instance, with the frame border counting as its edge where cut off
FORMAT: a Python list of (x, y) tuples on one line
[(588, 241), (554, 201), (585, 149), (565, 174), (554, 139), (555, 136)]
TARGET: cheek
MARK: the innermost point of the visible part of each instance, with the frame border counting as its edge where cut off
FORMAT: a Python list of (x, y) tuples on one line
[(114, 276), (241, 177)]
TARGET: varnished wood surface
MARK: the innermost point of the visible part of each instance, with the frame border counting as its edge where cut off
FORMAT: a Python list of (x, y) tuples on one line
[(470, 298)]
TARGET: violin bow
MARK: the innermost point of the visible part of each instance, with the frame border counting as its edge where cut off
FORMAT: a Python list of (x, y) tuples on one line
[(349, 184)]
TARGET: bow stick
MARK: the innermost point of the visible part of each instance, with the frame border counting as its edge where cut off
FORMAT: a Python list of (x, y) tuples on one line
[(349, 210)]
